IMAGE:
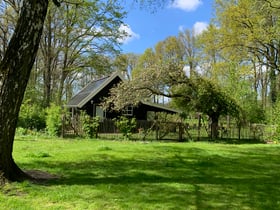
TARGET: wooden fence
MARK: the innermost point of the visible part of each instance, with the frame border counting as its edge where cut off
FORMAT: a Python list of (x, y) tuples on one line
[(173, 131)]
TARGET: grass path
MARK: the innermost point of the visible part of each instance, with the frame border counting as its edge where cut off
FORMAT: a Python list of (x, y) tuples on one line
[(134, 175)]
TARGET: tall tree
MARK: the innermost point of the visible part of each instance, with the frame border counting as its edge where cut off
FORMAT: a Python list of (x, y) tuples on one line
[(126, 63), (187, 40), (251, 29), (9, 12), (75, 35), (15, 70)]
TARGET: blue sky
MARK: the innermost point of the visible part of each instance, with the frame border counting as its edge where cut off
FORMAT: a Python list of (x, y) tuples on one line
[(146, 28)]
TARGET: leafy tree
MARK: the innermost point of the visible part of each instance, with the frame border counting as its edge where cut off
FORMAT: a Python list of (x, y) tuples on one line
[(9, 12), (126, 63), (206, 97), (161, 72), (250, 29), (77, 34), (15, 68), (235, 69), (188, 43)]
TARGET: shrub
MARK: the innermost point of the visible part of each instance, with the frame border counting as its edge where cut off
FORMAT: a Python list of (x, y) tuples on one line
[(126, 126), (32, 116), (21, 131), (53, 120), (90, 125), (275, 122)]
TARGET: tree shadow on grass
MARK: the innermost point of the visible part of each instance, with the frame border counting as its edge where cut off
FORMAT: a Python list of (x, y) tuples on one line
[(191, 177), (231, 140)]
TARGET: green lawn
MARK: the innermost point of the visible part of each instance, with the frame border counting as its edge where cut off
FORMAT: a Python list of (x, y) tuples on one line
[(133, 175)]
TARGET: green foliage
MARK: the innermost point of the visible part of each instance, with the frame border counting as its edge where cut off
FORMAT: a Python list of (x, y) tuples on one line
[(255, 113), (20, 131), (202, 95), (248, 31), (32, 116), (126, 126), (54, 120), (90, 125), (276, 121)]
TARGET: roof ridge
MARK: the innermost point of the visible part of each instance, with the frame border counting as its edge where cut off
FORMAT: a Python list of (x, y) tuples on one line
[(100, 78)]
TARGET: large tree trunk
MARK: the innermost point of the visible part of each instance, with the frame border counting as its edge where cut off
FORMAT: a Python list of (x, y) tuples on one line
[(15, 70)]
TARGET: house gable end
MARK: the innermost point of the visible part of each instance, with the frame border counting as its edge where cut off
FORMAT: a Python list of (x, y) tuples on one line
[(93, 89)]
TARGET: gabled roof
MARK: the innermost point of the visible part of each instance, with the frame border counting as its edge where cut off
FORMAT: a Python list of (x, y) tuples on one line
[(89, 91), (94, 87)]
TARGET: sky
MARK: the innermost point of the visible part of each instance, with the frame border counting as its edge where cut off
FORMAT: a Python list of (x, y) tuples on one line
[(146, 29)]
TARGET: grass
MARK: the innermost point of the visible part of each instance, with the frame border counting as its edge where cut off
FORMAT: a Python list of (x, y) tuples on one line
[(133, 175)]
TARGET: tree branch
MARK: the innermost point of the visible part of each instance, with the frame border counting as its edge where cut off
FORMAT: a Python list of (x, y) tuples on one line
[(272, 6)]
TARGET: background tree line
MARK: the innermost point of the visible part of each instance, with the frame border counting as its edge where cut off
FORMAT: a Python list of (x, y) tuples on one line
[(77, 42), (239, 53)]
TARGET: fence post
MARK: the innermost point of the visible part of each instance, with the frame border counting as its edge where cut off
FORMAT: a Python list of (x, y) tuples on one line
[(199, 126), (181, 131), (157, 130), (63, 126)]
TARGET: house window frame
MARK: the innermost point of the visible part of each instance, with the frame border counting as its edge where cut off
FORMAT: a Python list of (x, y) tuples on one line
[(127, 111)]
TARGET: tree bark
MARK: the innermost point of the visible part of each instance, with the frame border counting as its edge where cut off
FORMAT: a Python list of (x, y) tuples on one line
[(214, 126), (15, 70), (48, 68)]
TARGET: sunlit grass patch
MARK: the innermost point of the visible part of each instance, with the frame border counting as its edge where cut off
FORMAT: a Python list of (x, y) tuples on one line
[(98, 174)]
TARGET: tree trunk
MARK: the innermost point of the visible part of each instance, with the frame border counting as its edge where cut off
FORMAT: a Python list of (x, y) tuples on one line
[(61, 86), (214, 126), (48, 64), (15, 70)]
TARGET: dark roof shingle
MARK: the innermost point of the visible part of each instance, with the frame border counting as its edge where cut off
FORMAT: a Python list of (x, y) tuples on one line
[(91, 88)]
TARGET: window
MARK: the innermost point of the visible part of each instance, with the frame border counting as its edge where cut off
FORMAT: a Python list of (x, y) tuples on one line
[(100, 112), (128, 111)]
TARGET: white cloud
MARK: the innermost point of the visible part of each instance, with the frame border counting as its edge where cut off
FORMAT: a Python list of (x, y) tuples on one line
[(187, 5), (129, 34), (181, 28), (199, 27)]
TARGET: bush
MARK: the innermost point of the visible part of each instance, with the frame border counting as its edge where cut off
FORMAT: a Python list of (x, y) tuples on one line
[(53, 120), (32, 116), (126, 126), (255, 114), (90, 125), (275, 123), (21, 131)]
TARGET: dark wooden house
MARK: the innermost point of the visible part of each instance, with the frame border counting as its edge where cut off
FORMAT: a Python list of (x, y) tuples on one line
[(90, 97)]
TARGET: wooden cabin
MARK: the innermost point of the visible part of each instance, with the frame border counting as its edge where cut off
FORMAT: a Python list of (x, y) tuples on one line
[(90, 97)]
